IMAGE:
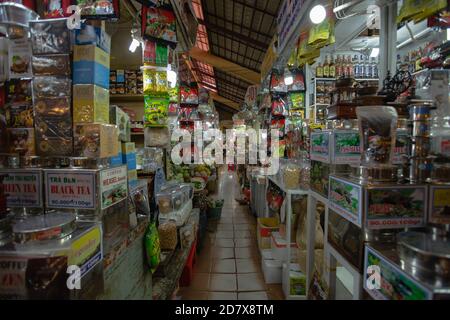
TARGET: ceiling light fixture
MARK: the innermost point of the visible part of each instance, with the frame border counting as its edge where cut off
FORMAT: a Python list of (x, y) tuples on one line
[(375, 53), (318, 14)]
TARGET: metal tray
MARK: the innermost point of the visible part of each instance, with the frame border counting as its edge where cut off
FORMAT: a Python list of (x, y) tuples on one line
[(51, 226), (375, 174), (425, 253)]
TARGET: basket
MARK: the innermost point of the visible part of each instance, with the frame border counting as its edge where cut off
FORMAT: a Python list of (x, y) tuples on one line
[(214, 213)]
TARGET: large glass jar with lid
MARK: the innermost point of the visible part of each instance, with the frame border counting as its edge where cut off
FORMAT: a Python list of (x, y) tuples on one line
[(440, 136)]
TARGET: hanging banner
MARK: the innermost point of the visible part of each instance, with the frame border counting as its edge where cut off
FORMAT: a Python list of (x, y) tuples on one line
[(288, 19)]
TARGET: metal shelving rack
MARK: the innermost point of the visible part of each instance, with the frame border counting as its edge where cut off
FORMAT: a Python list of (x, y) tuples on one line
[(289, 193)]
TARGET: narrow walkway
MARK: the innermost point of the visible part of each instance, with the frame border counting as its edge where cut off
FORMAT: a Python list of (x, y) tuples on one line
[(229, 265)]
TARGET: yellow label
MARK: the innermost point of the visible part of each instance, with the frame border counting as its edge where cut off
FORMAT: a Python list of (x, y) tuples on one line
[(85, 247), (441, 197), (91, 53), (90, 104)]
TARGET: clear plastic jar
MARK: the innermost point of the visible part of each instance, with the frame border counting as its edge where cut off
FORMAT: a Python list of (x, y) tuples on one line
[(440, 136)]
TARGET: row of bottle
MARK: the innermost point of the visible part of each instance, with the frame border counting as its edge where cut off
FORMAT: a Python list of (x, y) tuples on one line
[(361, 67)]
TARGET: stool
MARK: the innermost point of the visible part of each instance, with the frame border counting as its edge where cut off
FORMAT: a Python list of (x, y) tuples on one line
[(188, 271)]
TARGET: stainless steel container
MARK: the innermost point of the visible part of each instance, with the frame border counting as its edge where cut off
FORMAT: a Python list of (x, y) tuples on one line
[(419, 169), (379, 174), (420, 110), (420, 128), (50, 226), (14, 18), (427, 255), (31, 162), (14, 162), (420, 146)]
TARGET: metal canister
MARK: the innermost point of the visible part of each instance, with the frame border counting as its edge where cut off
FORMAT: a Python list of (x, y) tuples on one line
[(420, 128), (31, 162), (440, 173), (419, 169), (14, 162), (420, 146), (420, 110), (60, 162)]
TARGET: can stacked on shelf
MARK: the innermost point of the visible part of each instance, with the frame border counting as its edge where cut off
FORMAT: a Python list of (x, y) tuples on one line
[(420, 125)]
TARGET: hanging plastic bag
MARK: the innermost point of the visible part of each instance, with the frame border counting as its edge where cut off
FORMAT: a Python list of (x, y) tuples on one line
[(156, 111), (152, 247)]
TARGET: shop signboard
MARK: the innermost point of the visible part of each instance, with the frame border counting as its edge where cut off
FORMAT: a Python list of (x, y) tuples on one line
[(346, 147), (393, 284), (23, 188), (320, 146), (346, 199), (395, 207), (86, 251), (70, 189), (439, 206), (113, 186), (287, 20)]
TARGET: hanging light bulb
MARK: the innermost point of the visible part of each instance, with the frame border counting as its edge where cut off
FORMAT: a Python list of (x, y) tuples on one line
[(318, 14), (172, 78), (134, 45), (288, 77)]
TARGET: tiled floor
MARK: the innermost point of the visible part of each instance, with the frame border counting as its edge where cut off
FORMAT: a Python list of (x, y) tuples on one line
[(229, 267)]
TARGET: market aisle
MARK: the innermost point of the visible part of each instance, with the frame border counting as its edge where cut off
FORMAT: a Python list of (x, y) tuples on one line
[(228, 267)]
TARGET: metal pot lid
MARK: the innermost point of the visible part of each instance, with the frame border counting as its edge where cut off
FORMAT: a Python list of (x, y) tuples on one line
[(424, 244), (45, 222), (31, 162), (15, 14)]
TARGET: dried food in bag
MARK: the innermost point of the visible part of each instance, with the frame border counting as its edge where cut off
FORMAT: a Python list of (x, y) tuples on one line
[(297, 100), (19, 55), (277, 82), (54, 127), (279, 106), (149, 77), (99, 9), (157, 136), (156, 111), (51, 65), (159, 24), (56, 9), (299, 81), (140, 200), (20, 115), (19, 91), (162, 86), (49, 87), (152, 247), (168, 235), (52, 107), (377, 129), (189, 94), (50, 36), (60, 146), (21, 141)]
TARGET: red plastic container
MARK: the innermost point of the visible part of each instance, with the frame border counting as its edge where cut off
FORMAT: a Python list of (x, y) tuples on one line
[(188, 271)]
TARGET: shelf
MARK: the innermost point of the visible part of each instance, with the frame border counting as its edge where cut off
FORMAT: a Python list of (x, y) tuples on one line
[(318, 197), (287, 191), (419, 72), (137, 133), (127, 97), (323, 79)]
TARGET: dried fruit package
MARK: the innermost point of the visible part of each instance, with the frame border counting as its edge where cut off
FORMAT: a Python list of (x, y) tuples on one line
[(299, 81), (51, 65), (50, 87), (99, 9), (159, 24), (149, 81), (297, 100), (19, 54), (156, 111), (56, 8), (279, 106), (377, 130), (189, 94), (50, 36), (277, 82)]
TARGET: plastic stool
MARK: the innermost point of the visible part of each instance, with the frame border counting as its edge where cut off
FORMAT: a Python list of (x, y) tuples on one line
[(188, 271)]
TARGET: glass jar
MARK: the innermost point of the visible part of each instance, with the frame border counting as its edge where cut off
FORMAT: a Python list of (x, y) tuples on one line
[(440, 136)]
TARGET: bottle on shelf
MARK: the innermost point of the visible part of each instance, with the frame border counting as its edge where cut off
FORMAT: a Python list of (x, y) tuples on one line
[(356, 67), (332, 68), (374, 68), (326, 68), (338, 66), (367, 68), (349, 67), (319, 70)]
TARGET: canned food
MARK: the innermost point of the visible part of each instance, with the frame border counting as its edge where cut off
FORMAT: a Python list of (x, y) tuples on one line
[(420, 128), (420, 111), (420, 146)]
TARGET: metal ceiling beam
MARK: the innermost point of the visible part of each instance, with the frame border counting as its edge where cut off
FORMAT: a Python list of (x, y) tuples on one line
[(243, 28), (227, 66), (230, 83), (238, 54), (216, 97), (238, 36), (243, 3)]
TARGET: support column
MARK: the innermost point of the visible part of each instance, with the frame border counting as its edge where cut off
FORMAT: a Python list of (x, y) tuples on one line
[(388, 39)]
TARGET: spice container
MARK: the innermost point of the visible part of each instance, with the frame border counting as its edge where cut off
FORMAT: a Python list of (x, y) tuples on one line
[(291, 176), (168, 236), (165, 201), (50, 226)]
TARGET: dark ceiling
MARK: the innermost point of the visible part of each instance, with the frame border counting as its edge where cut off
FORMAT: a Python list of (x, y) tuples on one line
[(239, 31)]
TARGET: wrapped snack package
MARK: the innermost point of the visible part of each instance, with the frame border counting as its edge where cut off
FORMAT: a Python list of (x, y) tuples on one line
[(50, 86), (157, 137), (56, 146), (22, 141), (55, 65), (50, 36), (377, 129), (156, 111)]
